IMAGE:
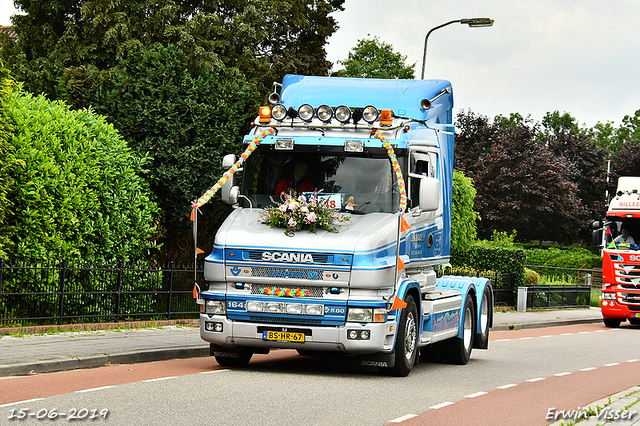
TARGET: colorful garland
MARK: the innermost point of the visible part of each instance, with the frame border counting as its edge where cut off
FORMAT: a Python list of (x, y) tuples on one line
[(396, 166), (285, 292), (225, 177)]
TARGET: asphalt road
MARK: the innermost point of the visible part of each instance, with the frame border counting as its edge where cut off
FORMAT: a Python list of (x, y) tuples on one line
[(515, 382)]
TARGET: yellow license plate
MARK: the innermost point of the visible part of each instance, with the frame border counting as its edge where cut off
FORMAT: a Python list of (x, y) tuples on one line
[(283, 336)]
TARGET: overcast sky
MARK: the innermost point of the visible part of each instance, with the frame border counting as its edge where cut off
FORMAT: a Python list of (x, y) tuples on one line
[(578, 56)]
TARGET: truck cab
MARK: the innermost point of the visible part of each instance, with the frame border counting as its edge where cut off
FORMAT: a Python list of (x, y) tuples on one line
[(620, 297), (366, 146)]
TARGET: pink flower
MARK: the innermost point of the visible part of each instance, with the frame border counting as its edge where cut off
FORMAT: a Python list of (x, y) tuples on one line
[(310, 218), (292, 223), (304, 209), (283, 208), (293, 206)]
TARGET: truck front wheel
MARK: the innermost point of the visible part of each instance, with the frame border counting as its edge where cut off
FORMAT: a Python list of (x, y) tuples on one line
[(612, 322), (406, 349)]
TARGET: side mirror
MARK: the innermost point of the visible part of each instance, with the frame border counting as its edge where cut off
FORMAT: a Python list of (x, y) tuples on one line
[(429, 194), (596, 224), (227, 192), (596, 239)]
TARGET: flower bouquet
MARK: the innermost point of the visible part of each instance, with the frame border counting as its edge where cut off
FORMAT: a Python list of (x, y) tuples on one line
[(295, 214)]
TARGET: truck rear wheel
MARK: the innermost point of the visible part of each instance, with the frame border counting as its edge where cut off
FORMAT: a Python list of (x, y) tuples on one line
[(458, 350), (406, 349), (612, 322), (481, 341)]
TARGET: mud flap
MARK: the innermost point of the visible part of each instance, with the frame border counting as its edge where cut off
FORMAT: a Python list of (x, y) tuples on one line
[(378, 360)]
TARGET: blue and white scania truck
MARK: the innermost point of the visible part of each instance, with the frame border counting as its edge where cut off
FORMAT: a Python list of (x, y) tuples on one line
[(371, 289)]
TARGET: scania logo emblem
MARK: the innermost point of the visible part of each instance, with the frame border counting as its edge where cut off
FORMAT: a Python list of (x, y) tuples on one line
[(275, 256)]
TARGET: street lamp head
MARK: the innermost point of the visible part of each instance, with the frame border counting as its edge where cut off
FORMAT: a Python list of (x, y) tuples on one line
[(477, 22)]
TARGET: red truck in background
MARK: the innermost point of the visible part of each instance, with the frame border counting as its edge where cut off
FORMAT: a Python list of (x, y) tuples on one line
[(616, 235)]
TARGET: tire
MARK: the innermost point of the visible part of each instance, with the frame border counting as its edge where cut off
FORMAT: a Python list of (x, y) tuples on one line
[(458, 350), (612, 322), (406, 350), (481, 341), (226, 357)]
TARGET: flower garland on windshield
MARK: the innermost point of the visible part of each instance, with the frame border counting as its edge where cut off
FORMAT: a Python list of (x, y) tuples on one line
[(295, 214)]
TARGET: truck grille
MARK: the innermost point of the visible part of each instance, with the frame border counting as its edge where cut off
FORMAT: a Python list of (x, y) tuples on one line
[(305, 274), (297, 321)]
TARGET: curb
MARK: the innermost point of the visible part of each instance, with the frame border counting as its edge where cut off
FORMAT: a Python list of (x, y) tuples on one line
[(102, 360), (530, 325)]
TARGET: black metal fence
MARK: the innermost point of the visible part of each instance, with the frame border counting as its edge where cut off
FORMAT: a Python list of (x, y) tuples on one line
[(35, 293), (504, 291), (548, 296), (565, 287)]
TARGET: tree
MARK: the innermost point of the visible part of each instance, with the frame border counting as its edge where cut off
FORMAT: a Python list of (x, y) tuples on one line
[(523, 186), (263, 39), (205, 66), (463, 217), (372, 58), (578, 146), (474, 139)]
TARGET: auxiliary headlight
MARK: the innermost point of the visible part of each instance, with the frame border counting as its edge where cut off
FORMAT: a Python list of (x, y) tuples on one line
[(214, 307), (343, 114), (324, 113), (360, 315), (370, 114), (305, 112), (354, 146), (279, 112)]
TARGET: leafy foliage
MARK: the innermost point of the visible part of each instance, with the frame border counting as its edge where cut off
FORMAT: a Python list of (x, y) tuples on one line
[(463, 217), (79, 193), (372, 58), (485, 257), (7, 164), (563, 257)]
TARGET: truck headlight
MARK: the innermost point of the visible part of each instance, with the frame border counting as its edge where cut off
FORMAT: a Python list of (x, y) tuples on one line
[(314, 309), (214, 307), (360, 315)]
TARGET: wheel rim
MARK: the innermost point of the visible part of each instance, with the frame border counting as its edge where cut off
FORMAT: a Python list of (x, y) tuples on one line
[(410, 336), (468, 332), (484, 315)]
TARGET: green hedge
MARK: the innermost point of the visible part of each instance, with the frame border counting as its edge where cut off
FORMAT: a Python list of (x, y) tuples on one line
[(79, 191), (6, 161), (486, 257), (563, 257)]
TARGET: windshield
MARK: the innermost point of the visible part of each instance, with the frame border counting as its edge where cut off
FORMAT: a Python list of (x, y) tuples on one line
[(352, 182), (623, 234)]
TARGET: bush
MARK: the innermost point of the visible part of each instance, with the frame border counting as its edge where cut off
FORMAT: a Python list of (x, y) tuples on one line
[(563, 257), (79, 191), (7, 162), (484, 256), (531, 277)]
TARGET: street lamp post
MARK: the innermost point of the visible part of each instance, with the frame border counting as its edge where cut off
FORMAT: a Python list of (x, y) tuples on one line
[(472, 22)]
